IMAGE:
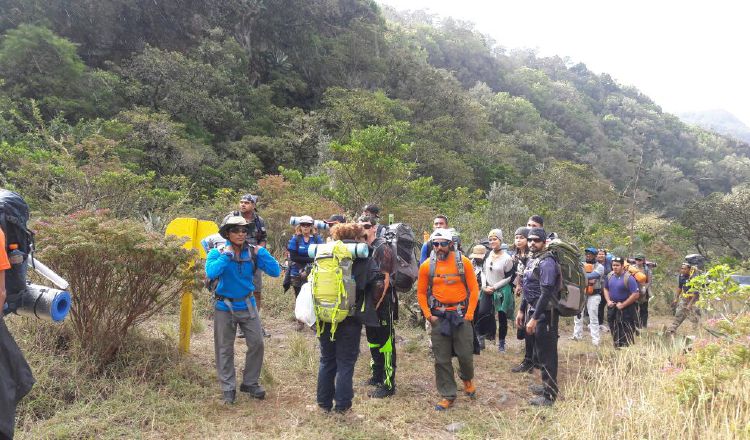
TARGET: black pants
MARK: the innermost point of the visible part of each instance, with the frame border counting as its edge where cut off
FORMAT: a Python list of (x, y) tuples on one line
[(485, 316), (529, 340), (381, 340), (602, 306), (502, 325), (337, 359), (545, 348), (622, 325), (641, 320)]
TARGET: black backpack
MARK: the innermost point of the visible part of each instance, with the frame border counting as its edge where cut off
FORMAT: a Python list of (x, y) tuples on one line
[(400, 237), (14, 214)]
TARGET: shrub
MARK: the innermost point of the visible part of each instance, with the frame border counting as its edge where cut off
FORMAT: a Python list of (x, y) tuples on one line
[(120, 275)]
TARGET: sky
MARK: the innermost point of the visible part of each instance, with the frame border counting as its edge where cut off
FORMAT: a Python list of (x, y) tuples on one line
[(685, 55)]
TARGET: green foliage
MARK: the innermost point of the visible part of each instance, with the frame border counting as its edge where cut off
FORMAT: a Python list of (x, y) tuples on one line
[(719, 291), (119, 274)]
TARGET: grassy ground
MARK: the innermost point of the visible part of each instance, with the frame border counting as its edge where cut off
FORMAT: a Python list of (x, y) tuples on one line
[(152, 392)]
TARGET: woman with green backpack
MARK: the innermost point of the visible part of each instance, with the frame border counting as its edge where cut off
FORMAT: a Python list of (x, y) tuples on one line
[(339, 340)]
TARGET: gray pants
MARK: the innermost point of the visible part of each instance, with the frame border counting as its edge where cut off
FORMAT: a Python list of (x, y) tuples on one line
[(225, 333), (443, 347)]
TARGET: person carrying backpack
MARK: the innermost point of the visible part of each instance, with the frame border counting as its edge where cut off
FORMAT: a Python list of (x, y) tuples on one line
[(234, 267), (339, 346), (594, 274), (621, 293), (304, 235), (541, 284), (448, 292), (381, 312), (641, 321), (685, 299), (498, 271)]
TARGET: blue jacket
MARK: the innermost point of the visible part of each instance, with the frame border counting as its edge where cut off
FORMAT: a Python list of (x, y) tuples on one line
[(236, 277)]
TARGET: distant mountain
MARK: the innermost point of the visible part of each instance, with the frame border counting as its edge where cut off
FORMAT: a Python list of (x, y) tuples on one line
[(720, 121)]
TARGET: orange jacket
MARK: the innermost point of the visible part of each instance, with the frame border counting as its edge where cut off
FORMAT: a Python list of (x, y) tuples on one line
[(447, 286), (4, 263)]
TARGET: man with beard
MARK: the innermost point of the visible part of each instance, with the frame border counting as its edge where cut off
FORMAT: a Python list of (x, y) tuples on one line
[(447, 292), (621, 293), (540, 283)]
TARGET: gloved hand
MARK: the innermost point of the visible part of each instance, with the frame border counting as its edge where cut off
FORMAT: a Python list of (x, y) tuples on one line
[(228, 251)]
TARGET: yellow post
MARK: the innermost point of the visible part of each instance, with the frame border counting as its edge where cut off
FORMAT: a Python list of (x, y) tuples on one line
[(195, 230)]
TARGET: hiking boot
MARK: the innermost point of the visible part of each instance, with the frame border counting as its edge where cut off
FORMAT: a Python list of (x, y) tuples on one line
[(300, 326), (341, 409), (501, 346), (240, 333), (444, 404), (536, 389), (228, 397), (481, 342), (373, 382), (604, 328), (381, 392), (540, 401), (255, 391), (265, 333), (470, 389), (523, 367)]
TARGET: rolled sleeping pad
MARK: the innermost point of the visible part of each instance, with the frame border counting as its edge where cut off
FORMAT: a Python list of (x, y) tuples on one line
[(45, 303), (358, 250), (318, 224), (48, 273)]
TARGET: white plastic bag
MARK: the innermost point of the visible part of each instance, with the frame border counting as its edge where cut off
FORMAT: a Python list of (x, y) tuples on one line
[(303, 308)]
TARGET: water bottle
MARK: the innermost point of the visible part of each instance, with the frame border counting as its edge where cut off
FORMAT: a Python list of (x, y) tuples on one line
[(15, 256)]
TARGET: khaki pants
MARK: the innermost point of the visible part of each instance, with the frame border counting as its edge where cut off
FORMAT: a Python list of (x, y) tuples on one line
[(443, 347)]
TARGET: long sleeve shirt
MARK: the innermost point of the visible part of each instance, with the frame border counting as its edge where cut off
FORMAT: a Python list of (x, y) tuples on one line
[(447, 286), (496, 270), (236, 274)]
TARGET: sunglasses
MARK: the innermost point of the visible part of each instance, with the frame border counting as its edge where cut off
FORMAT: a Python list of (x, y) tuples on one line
[(238, 230), (441, 243), (305, 225), (367, 226), (536, 240)]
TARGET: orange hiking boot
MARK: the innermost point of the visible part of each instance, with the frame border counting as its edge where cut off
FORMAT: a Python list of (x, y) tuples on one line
[(443, 405), (470, 389)]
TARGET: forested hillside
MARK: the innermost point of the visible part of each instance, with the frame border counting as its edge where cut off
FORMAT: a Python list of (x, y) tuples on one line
[(159, 108)]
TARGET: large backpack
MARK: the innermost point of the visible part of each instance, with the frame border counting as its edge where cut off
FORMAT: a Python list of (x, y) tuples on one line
[(333, 288), (400, 237), (572, 284), (14, 213)]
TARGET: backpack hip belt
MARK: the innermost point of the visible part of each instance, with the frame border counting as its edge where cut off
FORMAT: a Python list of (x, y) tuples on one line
[(228, 302)]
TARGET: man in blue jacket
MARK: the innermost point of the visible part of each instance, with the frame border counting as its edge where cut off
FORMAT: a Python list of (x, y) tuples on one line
[(234, 266)]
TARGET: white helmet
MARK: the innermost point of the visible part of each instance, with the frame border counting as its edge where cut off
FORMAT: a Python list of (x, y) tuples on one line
[(441, 234)]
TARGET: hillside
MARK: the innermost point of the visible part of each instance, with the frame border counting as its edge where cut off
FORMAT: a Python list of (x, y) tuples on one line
[(719, 121)]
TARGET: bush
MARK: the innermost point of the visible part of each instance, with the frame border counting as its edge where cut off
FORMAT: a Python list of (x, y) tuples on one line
[(120, 275)]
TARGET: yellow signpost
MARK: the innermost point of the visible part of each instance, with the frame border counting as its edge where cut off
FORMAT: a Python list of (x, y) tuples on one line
[(195, 230)]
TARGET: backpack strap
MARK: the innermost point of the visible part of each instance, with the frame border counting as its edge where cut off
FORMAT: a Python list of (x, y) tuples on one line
[(431, 301)]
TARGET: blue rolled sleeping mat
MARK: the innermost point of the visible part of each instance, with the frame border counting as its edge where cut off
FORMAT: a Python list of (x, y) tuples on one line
[(45, 303)]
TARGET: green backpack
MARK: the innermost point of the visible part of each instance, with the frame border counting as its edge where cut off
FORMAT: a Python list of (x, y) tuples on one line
[(333, 288)]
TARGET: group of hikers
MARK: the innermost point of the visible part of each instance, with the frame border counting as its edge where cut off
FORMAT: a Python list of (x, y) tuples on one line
[(353, 279)]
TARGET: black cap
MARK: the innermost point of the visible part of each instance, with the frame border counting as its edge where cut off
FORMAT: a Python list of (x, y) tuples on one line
[(537, 232), (523, 230), (372, 209), (336, 218)]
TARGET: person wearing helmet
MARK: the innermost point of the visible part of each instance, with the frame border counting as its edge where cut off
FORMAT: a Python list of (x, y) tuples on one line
[(448, 293), (256, 235), (594, 275), (234, 265)]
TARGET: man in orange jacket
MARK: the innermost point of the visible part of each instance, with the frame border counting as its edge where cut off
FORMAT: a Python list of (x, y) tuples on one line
[(447, 292)]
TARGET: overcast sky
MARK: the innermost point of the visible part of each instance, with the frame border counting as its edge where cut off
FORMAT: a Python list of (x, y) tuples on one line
[(686, 55)]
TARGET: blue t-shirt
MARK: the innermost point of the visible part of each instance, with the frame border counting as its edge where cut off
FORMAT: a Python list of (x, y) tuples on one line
[(618, 292), (426, 248), (299, 246)]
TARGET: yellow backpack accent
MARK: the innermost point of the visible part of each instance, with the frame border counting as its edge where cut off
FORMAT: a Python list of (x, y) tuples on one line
[(333, 289)]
